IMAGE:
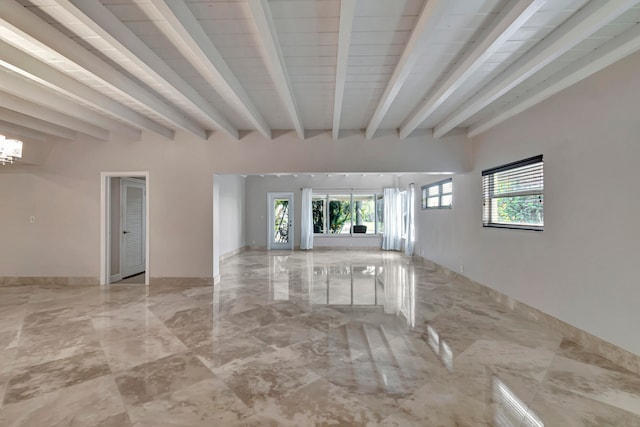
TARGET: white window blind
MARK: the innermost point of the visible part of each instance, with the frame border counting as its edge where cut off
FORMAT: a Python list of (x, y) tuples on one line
[(513, 195)]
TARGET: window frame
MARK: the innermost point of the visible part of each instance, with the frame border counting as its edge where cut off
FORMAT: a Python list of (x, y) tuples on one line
[(377, 197), (424, 191), (487, 199)]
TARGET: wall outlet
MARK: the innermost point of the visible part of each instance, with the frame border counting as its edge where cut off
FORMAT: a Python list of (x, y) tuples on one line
[(32, 219), (421, 252), (461, 268)]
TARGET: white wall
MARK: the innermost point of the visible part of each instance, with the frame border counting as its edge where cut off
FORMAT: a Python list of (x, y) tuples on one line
[(258, 187), (582, 268), (232, 211), (64, 195), (63, 192), (353, 153)]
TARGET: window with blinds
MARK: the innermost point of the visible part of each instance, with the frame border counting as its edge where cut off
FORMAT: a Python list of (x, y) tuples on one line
[(438, 195), (513, 195)]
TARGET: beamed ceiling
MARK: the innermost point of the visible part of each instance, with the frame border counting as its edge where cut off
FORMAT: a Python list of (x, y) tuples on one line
[(76, 68)]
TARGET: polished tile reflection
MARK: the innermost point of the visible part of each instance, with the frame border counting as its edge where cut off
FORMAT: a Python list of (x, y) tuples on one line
[(296, 339)]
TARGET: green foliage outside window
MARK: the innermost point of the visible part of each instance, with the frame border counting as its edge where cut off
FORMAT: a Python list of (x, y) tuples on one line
[(339, 215), (521, 209), (317, 213), (525, 209)]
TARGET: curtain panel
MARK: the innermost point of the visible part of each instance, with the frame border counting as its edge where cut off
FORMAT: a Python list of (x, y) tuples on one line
[(306, 220), (392, 234)]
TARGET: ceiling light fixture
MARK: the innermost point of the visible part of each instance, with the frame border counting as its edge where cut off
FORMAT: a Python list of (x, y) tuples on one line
[(10, 150)]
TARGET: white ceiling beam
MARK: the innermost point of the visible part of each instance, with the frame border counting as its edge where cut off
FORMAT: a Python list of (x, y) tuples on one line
[(36, 124), (275, 60), (347, 12), (11, 83), (510, 20), (427, 22), (16, 60), (584, 23), (185, 32), (105, 24), (607, 54), (31, 109), (29, 26), (12, 130)]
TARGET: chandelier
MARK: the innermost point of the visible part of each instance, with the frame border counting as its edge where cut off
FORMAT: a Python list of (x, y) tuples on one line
[(10, 150)]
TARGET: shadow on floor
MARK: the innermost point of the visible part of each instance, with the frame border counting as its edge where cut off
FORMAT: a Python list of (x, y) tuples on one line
[(138, 279)]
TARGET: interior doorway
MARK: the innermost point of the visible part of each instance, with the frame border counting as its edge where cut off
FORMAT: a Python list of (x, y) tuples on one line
[(130, 228), (280, 209), (125, 226)]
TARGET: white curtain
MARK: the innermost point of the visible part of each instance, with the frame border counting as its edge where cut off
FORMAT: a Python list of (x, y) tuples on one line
[(411, 230), (306, 222), (392, 234)]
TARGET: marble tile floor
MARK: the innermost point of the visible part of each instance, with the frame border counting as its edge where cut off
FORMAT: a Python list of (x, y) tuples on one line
[(324, 338)]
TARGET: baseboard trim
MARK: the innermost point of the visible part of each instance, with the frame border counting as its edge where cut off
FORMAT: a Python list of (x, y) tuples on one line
[(95, 281), (181, 281), (49, 281), (347, 248), (592, 343), (233, 253), (317, 248)]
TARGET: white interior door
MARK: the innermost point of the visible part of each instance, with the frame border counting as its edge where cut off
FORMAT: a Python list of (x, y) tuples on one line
[(132, 246), (280, 217)]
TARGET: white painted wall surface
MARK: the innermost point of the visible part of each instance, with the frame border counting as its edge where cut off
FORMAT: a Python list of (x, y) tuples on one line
[(64, 195), (320, 153), (63, 192), (232, 212), (582, 268)]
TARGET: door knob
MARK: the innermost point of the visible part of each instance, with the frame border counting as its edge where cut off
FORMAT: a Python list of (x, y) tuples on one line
[(126, 232)]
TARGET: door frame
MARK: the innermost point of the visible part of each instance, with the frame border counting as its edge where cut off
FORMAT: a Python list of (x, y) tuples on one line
[(105, 222), (123, 202), (270, 218)]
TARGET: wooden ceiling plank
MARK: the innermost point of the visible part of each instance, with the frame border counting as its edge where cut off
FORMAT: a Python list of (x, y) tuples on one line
[(426, 24), (20, 21), (587, 21), (36, 124), (347, 13), (42, 73), (11, 83), (186, 33), (497, 34), (99, 19), (23, 106), (275, 60), (13, 130), (607, 54)]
